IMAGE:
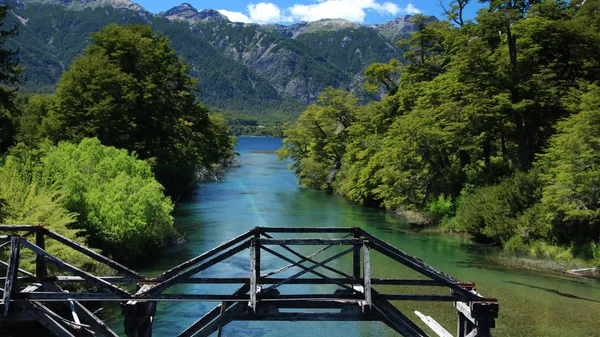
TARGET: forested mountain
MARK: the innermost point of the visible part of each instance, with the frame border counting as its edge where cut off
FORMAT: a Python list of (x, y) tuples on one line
[(246, 68)]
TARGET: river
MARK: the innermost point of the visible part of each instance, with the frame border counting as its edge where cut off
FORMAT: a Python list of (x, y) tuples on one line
[(263, 192)]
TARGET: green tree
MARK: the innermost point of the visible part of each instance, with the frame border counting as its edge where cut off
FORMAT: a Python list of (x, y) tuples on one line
[(572, 173), (9, 75), (316, 142), (132, 91)]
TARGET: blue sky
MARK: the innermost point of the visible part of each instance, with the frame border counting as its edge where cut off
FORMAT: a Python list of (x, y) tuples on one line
[(290, 11)]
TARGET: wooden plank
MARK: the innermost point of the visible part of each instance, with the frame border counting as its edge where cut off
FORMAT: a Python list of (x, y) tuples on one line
[(414, 297), (11, 284), (176, 279), (434, 325), (367, 274), (52, 325), (224, 319), (253, 275), (20, 228), (333, 230), (397, 320), (187, 264), (86, 315), (6, 244), (308, 241), (98, 257), (306, 269), (211, 315), (63, 265), (59, 296), (309, 317)]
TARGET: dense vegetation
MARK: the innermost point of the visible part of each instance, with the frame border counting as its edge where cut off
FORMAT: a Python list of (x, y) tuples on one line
[(492, 127), (94, 159)]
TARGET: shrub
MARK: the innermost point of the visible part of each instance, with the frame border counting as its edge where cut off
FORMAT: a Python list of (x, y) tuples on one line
[(442, 209), (121, 206)]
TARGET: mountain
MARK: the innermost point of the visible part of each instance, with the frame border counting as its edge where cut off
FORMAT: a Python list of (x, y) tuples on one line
[(247, 68)]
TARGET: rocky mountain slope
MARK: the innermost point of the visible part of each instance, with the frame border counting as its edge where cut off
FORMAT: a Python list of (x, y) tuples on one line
[(248, 68)]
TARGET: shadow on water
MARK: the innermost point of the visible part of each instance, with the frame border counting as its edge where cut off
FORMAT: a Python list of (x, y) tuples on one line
[(554, 291)]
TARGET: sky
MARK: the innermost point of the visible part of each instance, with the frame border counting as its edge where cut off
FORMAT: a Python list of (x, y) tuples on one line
[(291, 11)]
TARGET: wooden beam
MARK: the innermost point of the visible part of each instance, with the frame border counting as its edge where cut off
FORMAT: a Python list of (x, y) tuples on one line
[(211, 315), (187, 264), (11, 284), (63, 265), (41, 269), (308, 241), (434, 325), (50, 324), (86, 315), (20, 228), (253, 275), (194, 270), (24, 272), (333, 230), (306, 269), (367, 274), (98, 257), (306, 258)]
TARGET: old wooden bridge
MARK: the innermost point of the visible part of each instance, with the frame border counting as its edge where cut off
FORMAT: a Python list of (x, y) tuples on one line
[(281, 262)]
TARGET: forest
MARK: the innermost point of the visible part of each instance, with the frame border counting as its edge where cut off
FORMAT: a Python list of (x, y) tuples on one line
[(104, 157), (491, 127)]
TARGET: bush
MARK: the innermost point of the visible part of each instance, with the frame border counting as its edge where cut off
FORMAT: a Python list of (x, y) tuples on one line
[(516, 246), (490, 213), (121, 206), (442, 209)]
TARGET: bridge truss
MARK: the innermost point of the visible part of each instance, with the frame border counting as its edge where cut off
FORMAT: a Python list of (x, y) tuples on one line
[(294, 274)]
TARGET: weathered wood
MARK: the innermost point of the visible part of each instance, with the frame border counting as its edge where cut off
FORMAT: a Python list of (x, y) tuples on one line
[(396, 320), (41, 269), (434, 325), (419, 266), (306, 258), (86, 315), (211, 315), (356, 256), (236, 309), (20, 228), (63, 265), (6, 244), (461, 325), (187, 264), (11, 284), (24, 272), (253, 275), (51, 324), (308, 241), (307, 269), (367, 274), (346, 230), (194, 270), (98, 257), (309, 317)]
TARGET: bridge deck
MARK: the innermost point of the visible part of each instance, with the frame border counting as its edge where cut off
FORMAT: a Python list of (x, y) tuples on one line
[(342, 259)]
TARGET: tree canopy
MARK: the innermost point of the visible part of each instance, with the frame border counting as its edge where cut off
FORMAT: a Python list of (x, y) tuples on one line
[(132, 91)]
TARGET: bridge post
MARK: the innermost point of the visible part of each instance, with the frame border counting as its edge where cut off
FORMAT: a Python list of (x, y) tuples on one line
[(139, 316), (356, 257), (41, 269)]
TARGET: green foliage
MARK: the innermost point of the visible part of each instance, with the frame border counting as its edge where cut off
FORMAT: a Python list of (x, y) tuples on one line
[(316, 142), (572, 173), (9, 75), (132, 91), (442, 208), (122, 208), (29, 199), (490, 213)]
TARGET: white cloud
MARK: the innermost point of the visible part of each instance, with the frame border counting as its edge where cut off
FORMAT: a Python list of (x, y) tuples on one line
[(352, 10), (235, 16), (266, 12), (411, 10)]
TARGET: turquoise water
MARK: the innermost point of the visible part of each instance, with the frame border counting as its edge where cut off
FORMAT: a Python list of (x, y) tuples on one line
[(263, 192)]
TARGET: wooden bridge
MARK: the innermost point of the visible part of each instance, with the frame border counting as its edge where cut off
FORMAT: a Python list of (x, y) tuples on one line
[(41, 295)]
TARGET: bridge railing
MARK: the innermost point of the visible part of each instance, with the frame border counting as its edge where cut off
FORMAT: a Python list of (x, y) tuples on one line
[(260, 296)]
